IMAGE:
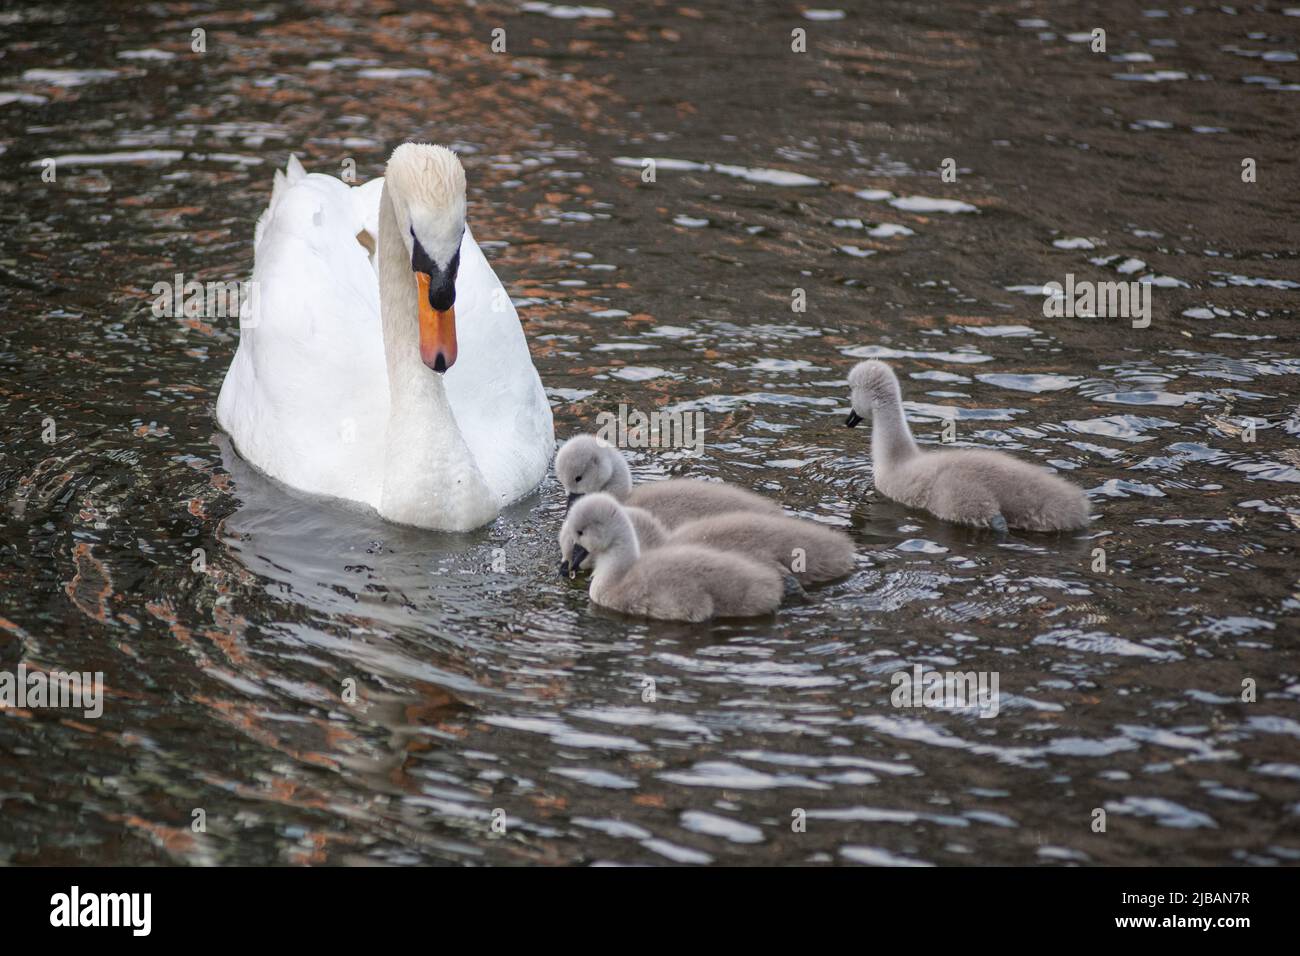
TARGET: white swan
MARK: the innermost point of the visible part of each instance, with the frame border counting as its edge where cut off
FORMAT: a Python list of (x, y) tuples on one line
[(349, 379)]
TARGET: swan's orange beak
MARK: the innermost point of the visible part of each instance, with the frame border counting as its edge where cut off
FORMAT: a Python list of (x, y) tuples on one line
[(437, 330)]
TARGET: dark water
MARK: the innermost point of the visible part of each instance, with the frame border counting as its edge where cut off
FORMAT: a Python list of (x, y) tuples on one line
[(485, 690)]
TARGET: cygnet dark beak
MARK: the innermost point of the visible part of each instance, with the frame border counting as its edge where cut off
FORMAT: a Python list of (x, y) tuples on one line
[(576, 558), (853, 420), (573, 496)]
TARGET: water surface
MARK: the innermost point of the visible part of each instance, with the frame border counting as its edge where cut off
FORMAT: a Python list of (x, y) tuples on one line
[(228, 613)]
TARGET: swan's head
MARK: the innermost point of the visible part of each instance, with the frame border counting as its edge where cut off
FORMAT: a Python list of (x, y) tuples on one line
[(584, 466), (870, 383), (594, 525), (426, 185)]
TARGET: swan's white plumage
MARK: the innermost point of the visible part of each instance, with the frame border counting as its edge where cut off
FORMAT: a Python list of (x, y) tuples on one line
[(307, 399)]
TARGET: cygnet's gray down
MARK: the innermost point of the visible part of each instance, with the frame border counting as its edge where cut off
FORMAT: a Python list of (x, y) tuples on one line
[(673, 582), (587, 465), (985, 489)]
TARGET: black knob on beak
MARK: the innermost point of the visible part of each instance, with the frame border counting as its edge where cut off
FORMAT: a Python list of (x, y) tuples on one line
[(853, 419)]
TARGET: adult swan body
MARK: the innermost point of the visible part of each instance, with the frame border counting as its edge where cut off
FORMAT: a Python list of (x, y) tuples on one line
[(380, 360)]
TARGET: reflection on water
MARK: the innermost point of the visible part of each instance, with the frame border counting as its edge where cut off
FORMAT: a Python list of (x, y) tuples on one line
[(329, 688)]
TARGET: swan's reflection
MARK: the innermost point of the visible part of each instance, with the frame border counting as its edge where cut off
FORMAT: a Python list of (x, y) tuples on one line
[(401, 612), (339, 558)]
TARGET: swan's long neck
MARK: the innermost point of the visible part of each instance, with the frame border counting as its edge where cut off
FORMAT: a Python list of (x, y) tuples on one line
[(430, 477), (618, 559), (891, 438), (620, 478)]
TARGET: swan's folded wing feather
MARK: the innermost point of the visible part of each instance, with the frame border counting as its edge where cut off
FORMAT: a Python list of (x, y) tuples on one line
[(306, 394), (365, 200), (494, 389), (277, 189)]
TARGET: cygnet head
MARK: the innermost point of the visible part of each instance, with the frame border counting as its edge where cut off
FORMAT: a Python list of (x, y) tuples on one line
[(871, 383), (585, 466), (426, 187), (595, 525)]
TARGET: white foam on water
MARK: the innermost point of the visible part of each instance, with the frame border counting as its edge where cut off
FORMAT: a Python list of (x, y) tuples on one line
[(887, 230), (393, 73), (930, 204), (149, 54), (711, 824), (857, 251), (30, 99), (562, 12), (753, 174), (1158, 76), (70, 77), (884, 352), (109, 159)]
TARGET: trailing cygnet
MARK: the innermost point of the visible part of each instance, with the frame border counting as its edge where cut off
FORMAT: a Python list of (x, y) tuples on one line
[(986, 489), (811, 552), (673, 582), (587, 465)]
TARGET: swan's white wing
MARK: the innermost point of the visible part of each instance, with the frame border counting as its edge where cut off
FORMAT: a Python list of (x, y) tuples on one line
[(306, 397), (277, 190), (495, 392), (365, 200)]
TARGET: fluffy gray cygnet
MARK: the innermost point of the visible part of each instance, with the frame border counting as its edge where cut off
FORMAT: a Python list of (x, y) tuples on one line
[(650, 533), (673, 582), (806, 550), (984, 489), (586, 465), (811, 552)]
